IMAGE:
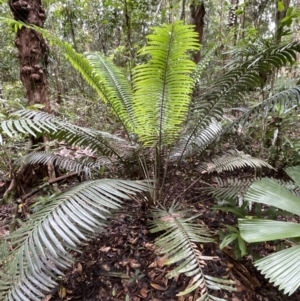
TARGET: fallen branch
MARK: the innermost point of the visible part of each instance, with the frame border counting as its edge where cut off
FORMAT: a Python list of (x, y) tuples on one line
[(51, 181)]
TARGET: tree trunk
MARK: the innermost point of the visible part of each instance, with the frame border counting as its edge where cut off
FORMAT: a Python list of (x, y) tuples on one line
[(33, 54), (32, 51), (197, 14)]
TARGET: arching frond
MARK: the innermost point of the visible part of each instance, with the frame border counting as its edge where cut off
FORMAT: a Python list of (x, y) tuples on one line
[(229, 188), (199, 142), (202, 65), (287, 98), (235, 84), (232, 160), (99, 72), (40, 123), (178, 243), (163, 86), (118, 92), (38, 251), (65, 163)]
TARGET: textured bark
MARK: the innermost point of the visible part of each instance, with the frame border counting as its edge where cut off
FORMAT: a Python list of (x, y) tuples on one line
[(197, 14), (32, 51)]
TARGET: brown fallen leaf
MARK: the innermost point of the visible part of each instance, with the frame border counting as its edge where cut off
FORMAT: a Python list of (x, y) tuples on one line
[(62, 292), (47, 298), (134, 264), (105, 249), (160, 261), (79, 268), (158, 287), (143, 292)]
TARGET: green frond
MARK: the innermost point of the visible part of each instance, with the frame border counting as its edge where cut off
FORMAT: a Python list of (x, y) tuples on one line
[(229, 189), (178, 243), (290, 186), (163, 85), (198, 143), (99, 72), (287, 98), (38, 251), (235, 84), (65, 163), (282, 268), (232, 160), (37, 123), (118, 91), (202, 65), (270, 192)]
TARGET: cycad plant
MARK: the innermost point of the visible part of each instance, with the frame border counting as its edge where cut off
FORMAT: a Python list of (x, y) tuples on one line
[(161, 130)]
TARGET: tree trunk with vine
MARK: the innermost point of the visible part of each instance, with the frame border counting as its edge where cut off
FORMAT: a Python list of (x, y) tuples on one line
[(33, 56)]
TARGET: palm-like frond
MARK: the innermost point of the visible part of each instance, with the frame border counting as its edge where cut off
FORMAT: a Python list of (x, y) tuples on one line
[(198, 143), (38, 251), (163, 86), (64, 163), (282, 268), (287, 98), (178, 242), (232, 160), (202, 65), (118, 91), (235, 84), (40, 123), (229, 189)]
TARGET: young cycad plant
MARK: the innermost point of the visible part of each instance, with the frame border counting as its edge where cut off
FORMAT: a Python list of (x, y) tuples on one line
[(154, 110)]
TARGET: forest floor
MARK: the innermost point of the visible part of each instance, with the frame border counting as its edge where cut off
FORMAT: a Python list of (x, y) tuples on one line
[(122, 264)]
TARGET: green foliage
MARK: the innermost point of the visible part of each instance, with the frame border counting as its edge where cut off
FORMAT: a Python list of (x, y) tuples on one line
[(156, 114), (36, 123), (230, 161), (41, 246), (178, 243), (163, 85), (281, 267), (233, 236)]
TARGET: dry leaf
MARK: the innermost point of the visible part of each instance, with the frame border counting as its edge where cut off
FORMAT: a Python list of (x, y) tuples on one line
[(158, 287), (143, 292), (47, 298), (152, 265), (134, 264), (160, 261), (79, 268), (62, 292), (105, 249)]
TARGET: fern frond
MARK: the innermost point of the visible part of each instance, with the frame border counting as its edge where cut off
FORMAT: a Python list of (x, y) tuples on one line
[(232, 160), (229, 188), (235, 84), (287, 98), (198, 143), (163, 86), (178, 243), (40, 123), (202, 65), (64, 163), (118, 91), (38, 251)]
